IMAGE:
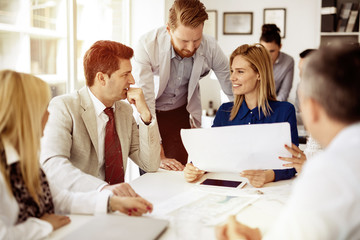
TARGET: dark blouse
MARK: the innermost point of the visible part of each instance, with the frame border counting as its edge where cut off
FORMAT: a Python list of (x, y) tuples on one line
[(281, 112), (27, 205)]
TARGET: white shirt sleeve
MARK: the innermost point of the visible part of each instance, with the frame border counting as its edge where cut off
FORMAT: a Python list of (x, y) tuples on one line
[(324, 201), (66, 202), (32, 228)]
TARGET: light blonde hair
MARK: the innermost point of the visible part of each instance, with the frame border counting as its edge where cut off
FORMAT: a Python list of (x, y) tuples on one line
[(23, 101), (190, 13), (260, 61)]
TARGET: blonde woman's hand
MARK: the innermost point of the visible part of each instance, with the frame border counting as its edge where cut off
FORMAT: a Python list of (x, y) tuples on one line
[(297, 160), (57, 221), (192, 173), (132, 206), (258, 178)]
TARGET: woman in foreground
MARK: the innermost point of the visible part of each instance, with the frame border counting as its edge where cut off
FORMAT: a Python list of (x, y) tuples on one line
[(29, 204)]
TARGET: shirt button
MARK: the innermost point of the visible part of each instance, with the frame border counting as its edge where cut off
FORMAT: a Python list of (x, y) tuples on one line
[(250, 112)]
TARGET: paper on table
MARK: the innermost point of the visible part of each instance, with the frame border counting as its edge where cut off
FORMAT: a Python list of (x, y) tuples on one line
[(237, 148)]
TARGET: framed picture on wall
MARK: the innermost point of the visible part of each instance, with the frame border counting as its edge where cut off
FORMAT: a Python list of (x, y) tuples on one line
[(238, 23), (276, 16), (210, 26)]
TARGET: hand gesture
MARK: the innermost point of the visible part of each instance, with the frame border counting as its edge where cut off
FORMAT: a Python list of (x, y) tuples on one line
[(132, 206), (171, 164), (122, 189), (297, 160), (258, 178), (233, 230), (57, 221), (192, 173), (135, 96)]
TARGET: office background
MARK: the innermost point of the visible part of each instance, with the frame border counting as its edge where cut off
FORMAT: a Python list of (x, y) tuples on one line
[(49, 37)]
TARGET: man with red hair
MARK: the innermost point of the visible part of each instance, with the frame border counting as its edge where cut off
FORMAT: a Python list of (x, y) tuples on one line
[(91, 132), (179, 55)]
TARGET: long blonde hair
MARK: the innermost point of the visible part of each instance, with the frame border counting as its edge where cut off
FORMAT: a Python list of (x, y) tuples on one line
[(260, 61), (23, 101)]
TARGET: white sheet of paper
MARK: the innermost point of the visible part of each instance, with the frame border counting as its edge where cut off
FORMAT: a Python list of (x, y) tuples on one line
[(237, 148)]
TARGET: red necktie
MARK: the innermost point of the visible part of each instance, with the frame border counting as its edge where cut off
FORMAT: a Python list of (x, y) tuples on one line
[(114, 170)]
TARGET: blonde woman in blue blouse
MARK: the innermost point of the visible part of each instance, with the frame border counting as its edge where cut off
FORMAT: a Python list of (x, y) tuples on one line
[(255, 103), (29, 203)]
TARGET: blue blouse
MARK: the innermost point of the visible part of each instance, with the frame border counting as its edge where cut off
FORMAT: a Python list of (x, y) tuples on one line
[(281, 112)]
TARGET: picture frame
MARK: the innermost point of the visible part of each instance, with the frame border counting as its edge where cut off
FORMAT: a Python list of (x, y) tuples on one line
[(276, 16), (238, 23), (210, 26)]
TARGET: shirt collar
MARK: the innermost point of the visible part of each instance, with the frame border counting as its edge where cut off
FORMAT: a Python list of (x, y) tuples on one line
[(279, 59), (11, 154), (98, 105), (175, 55), (244, 111)]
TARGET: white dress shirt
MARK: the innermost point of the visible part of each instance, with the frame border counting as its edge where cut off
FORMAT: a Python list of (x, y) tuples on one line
[(101, 121), (325, 202), (64, 202)]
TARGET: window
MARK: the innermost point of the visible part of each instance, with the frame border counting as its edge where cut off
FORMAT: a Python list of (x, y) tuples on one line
[(48, 38)]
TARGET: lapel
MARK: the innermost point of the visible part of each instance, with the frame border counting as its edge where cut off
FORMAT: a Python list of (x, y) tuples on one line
[(164, 61), (121, 119), (88, 116)]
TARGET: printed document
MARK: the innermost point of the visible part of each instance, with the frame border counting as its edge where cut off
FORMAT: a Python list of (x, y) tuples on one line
[(237, 148)]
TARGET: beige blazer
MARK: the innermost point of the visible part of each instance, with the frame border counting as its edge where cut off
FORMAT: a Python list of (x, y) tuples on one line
[(69, 146), (152, 69)]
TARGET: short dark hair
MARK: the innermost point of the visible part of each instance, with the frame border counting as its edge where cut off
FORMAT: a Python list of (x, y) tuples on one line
[(104, 56), (270, 33), (332, 77), (306, 52)]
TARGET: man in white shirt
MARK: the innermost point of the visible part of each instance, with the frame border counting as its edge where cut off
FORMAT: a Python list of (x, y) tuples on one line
[(180, 55), (325, 202), (77, 146)]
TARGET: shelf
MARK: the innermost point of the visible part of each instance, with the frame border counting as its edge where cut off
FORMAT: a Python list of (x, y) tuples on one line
[(332, 20), (339, 34)]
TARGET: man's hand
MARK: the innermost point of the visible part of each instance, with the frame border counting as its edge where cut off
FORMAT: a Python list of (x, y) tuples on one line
[(233, 230), (121, 189), (258, 178), (135, 96), (169, 163), (297, 160), (57, 221), (132, 206)]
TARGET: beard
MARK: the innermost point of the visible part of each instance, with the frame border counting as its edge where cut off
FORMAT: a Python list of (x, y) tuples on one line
[(183, 53)]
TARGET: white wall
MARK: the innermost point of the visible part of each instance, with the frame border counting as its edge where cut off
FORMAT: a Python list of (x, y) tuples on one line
[(145, 16)]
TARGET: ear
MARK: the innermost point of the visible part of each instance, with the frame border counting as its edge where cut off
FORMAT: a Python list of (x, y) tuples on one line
[(258, 77), (168, 28), (314, 110), (101, 78)]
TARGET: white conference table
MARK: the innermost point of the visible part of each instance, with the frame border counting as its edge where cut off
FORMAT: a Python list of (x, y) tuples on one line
[(159, 187)]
